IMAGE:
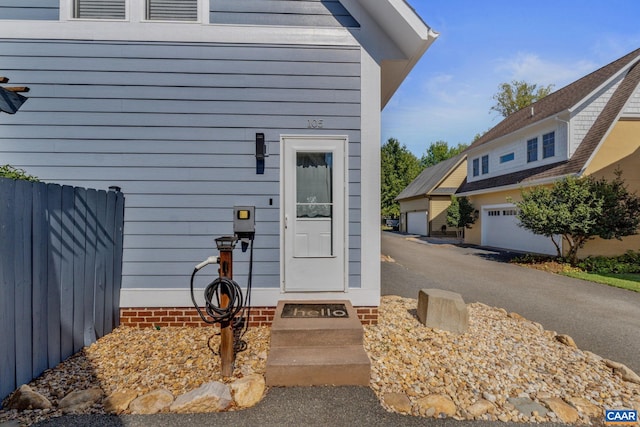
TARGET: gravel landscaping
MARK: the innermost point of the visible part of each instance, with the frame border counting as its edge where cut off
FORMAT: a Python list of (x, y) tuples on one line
[(504, 368)]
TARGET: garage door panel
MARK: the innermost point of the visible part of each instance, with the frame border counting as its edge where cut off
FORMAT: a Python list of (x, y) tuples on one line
[(417, 223), (501, 230)]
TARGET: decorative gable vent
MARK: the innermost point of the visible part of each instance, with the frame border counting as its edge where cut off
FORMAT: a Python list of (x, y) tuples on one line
[(172, 10), (99, 9)]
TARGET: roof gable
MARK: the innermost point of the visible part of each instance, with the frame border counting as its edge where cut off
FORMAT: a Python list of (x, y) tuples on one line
[(568, 97), (427, 182), (558, 101)]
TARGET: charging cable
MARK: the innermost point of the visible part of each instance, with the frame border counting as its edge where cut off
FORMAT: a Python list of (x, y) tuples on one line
[(212, 293)]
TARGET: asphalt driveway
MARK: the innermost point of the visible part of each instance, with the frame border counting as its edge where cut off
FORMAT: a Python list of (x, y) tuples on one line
[(601, 319)]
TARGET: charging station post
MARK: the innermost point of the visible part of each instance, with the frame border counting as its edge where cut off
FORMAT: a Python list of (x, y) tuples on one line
[(223, 297), (226, 245)]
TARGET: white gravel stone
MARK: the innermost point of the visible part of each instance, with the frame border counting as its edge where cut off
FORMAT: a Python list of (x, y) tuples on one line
[(501, 356)]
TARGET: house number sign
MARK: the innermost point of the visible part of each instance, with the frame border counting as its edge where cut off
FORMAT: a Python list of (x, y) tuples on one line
[(315, 124)]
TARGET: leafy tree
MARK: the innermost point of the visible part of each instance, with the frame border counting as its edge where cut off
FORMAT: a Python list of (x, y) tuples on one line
[(399, 168), (516, 95), (580, 209), (439, 151), (621, 209), (460, 214), (8, 171)]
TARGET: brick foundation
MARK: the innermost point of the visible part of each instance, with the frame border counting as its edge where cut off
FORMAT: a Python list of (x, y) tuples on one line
[(188, 316)]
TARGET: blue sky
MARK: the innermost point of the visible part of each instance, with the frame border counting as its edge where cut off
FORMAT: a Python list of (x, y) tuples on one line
[(448, 95)]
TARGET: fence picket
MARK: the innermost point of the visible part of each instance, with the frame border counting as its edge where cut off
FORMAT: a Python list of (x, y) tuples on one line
[(117, 258), (40, 276), (66, 273), (7, 289), (99, 300), (89, 282), (54, 268), (23, 280), (110, 241)]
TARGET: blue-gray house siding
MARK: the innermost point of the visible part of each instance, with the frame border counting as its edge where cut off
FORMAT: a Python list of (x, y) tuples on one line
[(174, 124), (316, 13), (30, 9)]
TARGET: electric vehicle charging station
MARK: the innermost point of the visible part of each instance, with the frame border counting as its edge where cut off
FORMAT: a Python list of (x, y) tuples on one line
[(223, 297)]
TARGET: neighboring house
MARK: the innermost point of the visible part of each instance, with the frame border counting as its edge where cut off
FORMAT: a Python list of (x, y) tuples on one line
[(166, 98), (424, 202), (590, 127)]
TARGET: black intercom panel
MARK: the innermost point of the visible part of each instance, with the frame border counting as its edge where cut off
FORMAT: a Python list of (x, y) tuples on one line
[(261, 153)]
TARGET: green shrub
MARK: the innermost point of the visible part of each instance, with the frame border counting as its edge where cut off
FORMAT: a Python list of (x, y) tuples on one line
[(627, 263), (8, 171)]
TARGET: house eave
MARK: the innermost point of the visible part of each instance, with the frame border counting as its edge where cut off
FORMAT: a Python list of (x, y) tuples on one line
[(516, 186), (405, 29), (410, 198)]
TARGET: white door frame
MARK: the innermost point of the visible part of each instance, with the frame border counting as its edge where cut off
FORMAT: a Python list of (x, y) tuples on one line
[(315, 143)]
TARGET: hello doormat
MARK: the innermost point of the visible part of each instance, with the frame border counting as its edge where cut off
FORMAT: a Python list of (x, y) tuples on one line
[(315, 311)]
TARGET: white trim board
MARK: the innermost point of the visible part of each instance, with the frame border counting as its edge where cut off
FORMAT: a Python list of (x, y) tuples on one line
[(181, 297), (174, 32)]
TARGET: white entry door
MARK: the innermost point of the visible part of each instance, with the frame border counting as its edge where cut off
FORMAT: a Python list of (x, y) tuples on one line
[(314, 208)]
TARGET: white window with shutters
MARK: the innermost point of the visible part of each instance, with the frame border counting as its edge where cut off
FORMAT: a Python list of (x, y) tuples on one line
[(100, 9), (172, 10)]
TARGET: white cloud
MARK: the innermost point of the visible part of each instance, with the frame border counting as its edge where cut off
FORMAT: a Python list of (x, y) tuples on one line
[(533, 69)]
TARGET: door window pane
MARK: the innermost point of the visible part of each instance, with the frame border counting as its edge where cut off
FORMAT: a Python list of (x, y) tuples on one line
[(314, 185)]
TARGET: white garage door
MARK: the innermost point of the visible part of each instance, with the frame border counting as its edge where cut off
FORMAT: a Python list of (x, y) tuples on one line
[(500, 229), (417, 223)]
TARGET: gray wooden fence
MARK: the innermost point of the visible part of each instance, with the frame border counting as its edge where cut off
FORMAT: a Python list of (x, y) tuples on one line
[(60, 274)]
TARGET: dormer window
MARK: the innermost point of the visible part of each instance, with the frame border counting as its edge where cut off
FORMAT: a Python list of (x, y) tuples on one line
[(548, 145), (172, 10), (507, 157), (476, 167), (485, 164), (532, 150), (99, 9)]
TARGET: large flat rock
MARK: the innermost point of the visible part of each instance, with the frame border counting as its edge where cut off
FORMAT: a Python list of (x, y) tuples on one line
[(442, 309)]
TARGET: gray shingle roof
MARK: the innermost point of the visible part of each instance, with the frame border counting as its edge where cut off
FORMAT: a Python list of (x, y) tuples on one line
[(555, 103), (426, 182)]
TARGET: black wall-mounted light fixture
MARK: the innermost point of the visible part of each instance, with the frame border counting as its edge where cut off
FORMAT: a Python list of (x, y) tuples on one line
[(261, 153), (10, 98)]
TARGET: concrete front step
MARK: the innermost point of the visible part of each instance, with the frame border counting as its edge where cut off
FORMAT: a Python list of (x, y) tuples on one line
[(307, 331), (311, 366), (307, 350)]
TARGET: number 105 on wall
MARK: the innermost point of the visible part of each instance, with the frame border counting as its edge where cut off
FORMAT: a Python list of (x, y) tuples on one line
[(315, 123)]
